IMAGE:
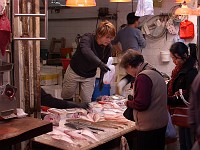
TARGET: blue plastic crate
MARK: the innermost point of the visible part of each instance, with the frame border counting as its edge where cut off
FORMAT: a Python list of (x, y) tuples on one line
[(105, 90)]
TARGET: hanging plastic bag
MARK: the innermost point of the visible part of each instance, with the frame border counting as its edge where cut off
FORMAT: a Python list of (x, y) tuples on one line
[(109, 76), (178, 39), (170, 27), (159, 28), (186, 30), (144, 8)]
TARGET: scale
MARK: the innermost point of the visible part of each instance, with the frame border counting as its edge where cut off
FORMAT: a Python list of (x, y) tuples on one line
[(8, 103)]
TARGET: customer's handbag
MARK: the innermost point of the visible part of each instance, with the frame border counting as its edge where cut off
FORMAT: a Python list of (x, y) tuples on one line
[(128, 113), (180, 114)]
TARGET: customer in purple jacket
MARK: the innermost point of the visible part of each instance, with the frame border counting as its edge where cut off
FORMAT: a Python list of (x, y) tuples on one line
[(149, 103), (194, 109)]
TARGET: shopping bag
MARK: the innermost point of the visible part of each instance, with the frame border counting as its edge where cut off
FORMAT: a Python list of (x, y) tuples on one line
[(109, 75), (170, 131)]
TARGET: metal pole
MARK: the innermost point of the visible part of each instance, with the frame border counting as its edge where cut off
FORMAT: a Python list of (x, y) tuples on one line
[(198, 37), (1, 74), (132, 5)]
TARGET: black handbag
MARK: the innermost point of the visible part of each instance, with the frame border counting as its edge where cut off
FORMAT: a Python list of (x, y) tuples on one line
[(128, 113)]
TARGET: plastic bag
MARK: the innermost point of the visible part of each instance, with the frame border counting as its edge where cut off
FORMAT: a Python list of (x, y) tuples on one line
[(144, 7), (178, 39), (170, 131), (109, 76), (170, 27)]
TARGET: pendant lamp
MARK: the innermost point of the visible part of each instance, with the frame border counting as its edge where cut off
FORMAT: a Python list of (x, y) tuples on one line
[(120, 1), (183, 1), (184, 10), (80, 3), (196, 12)]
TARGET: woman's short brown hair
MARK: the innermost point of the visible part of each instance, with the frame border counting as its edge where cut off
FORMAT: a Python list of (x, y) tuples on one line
[(131, 58), (106, 28)]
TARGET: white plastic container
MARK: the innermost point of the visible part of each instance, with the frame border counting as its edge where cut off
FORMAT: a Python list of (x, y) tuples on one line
[(165, 56), (54, 90)]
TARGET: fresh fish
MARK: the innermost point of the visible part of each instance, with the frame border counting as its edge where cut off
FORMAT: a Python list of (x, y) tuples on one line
[(63, 138), (96, 117), (56, 132), (90, 117), (75, 135), (62, 129), (89, 134)]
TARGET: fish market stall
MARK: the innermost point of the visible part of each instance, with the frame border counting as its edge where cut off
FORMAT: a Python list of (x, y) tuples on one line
[(81, 129)]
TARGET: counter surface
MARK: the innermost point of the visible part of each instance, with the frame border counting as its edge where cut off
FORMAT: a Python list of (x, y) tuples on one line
[(14, 131)]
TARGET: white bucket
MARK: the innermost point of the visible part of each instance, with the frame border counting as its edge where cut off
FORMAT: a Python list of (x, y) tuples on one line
[(165, 56)]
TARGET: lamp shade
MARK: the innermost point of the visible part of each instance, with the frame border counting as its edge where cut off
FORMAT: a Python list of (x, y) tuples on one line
[(184, 10), (196, 12), (120, 1), (80, 3), (182, 1)]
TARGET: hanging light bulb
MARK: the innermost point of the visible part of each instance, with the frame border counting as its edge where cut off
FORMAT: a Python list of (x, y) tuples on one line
[(196, 12), (184, 10), (120, 1), (80, 3), (183, 1)]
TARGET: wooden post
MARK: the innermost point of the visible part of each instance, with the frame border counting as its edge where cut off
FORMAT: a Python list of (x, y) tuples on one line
[(198, 38)]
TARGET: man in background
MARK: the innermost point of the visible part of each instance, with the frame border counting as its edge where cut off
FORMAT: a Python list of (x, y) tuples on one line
[(130, 37)]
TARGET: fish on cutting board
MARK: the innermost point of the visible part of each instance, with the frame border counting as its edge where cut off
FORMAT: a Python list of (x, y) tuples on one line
[(96, 117), (65, 138), (88, 133), (56, 132), (75, 135), (62, 129)]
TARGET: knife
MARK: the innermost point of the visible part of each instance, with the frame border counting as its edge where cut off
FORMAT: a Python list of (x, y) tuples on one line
[(90, 127), (93, 128)]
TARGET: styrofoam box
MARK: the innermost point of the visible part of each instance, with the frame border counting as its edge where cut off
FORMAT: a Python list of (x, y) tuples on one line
[(54, 90), (48, 78), (52, 71)]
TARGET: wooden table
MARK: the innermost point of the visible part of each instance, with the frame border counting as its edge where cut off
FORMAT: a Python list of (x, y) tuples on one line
[(104, 137), (14, 131)]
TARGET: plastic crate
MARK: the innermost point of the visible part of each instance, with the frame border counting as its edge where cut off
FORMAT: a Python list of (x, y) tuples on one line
[(105, 90)]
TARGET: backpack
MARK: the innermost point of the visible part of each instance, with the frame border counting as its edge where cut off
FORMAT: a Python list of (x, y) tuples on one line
[(186, 30)]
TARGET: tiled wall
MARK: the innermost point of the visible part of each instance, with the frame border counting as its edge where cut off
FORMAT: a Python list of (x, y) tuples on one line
[(70, 28)]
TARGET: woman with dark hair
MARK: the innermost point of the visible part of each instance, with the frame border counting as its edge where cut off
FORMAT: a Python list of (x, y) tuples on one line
[(149, 102), (181, 78)]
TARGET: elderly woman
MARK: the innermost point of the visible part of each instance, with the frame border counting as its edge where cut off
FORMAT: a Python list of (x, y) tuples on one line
[(181, 78), (149, 103)]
